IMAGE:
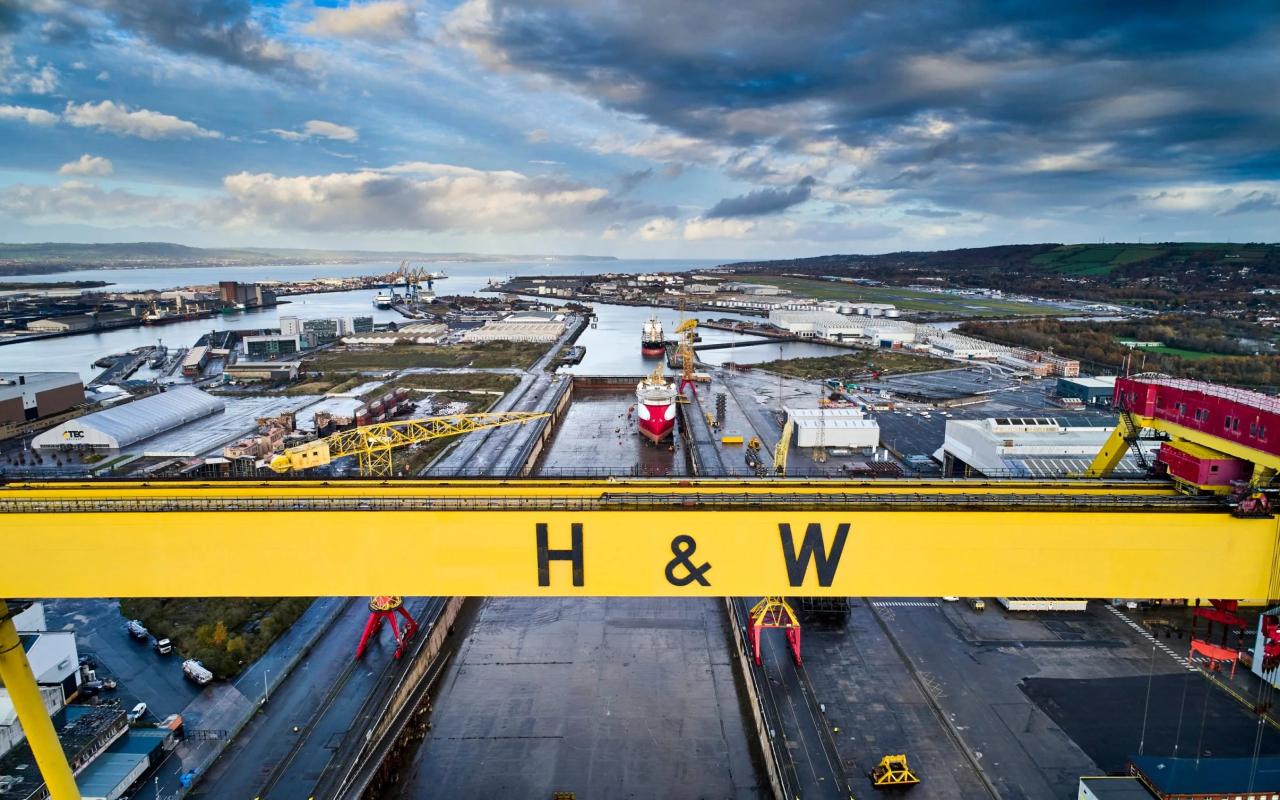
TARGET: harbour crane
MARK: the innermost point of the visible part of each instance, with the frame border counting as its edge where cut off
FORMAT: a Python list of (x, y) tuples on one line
[(687, 331), (372, 444)]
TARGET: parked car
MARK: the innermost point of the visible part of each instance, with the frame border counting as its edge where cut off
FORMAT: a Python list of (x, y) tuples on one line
[(87, 661), (164, 647), (109, 684), (91, 688), (137, 712), (137, 630)]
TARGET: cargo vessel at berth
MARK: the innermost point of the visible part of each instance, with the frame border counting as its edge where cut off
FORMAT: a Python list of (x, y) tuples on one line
[(655, 407), (651, 342)]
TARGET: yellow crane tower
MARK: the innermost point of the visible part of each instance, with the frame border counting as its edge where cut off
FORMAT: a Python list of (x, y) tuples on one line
[(781, 449), (373, 444), (687, 331)]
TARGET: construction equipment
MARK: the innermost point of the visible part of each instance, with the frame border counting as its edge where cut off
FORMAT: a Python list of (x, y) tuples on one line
[(781, 449), (373, 444), (893, 771), (688, 332), (774, 612)]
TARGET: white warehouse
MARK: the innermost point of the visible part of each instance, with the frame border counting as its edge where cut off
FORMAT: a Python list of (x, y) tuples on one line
[(818, 324), (122, 425), (834, 427)]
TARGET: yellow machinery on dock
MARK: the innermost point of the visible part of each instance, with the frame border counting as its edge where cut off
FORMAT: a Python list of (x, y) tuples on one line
[(893, 771)]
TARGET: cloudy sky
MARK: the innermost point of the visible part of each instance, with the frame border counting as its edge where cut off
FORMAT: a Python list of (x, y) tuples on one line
[(686, 128)]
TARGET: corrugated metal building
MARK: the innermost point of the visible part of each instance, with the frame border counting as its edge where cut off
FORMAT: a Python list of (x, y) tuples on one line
[(1031, 447), (1209, 778), (833, 427), (122, 425), (26, 396)]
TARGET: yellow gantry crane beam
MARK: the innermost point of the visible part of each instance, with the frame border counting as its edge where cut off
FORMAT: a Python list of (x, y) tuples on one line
[(636, 537), (372, 444), (632, 537)]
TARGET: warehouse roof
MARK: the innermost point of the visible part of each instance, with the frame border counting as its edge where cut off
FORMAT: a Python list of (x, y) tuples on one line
[(1209, 776), (132, 422), (15, 384), (1108, 788)]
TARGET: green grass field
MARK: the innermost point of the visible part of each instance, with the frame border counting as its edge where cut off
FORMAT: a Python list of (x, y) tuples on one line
[(856, 363), (482, 355), (905, 299)]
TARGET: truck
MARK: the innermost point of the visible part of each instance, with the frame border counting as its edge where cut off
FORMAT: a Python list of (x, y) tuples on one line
[(137, 630), (164, 647), (195, 671)]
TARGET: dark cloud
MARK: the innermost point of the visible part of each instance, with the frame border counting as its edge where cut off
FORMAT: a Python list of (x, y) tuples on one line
[(948, 97), (631, 180), (1255, 202), (762, 201), (224, 30), (10, 16)]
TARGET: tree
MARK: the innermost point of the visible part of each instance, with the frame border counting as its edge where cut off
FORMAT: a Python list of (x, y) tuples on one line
[(219, 638)]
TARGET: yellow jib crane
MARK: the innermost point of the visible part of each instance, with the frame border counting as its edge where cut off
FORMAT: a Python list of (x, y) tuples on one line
[(781, 449), (687, 331), (373, 444)]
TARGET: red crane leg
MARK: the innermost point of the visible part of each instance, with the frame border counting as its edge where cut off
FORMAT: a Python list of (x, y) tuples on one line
[(754, 632), (411, 624), (370, 628), (395, 631), (793, 639)]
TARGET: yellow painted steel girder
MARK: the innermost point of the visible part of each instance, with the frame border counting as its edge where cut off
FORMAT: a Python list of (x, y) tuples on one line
[(783, 447), (711, 537), (373, 444)]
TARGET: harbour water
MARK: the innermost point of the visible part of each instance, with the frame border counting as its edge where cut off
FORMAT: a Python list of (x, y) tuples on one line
[(613, 346)]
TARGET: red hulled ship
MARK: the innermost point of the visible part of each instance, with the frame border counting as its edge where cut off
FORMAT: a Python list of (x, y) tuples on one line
[(655, 407)]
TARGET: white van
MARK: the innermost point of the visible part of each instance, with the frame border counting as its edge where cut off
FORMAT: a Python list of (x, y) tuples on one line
[(137, 712)]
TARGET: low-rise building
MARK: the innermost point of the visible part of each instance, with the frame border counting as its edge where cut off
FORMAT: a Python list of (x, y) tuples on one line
[(262, 370), (72, 323), (834, 427), (1090, 391), (271, 345), (1028, 447), (816, 324), (122, 425), (524, 327), (413, 333), (27, 396)]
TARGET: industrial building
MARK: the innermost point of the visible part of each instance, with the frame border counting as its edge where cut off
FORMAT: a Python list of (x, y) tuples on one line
[(26, 396), (1112, 788), (271, 345), (1090, 391), (1209, 778), (122, 425), (194, 361), (534, 326), (11, 734), (85, 732), (834, 427), (1027, 447), (413, 333), (262, 370), (816, 324), (245, 295)]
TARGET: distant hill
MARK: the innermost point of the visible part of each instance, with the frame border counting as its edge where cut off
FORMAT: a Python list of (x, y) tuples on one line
[(1197, 275), (45, 257)]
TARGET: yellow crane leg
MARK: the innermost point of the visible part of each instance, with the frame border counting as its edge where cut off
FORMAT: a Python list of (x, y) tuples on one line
[(25, 694), (1112, 452)]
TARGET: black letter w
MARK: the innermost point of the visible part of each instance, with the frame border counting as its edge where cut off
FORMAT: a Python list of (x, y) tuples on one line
[(798, 566)]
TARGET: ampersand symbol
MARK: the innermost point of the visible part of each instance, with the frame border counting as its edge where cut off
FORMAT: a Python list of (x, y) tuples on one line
[(682, 548)]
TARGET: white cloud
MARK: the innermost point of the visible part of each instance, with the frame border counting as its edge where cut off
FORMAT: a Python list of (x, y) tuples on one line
[(416, 197), (699, 228), (31, 116), (330, 130), (663, 147), (26, 75), (118, 119), (318, 128), (87, 165), (383, 21), (1082, 159), (658, 229)]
